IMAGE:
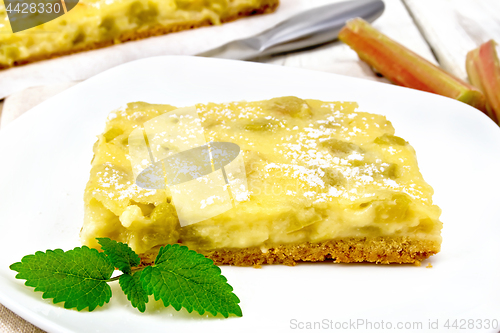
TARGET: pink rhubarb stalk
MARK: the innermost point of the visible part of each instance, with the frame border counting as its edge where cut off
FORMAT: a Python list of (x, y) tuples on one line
[(483, 68), (404, 67)]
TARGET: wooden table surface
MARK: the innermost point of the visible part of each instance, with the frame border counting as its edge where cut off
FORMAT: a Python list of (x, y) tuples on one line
[(442, 31)]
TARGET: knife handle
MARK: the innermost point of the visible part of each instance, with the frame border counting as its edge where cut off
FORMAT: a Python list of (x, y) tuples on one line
[(313, 27)]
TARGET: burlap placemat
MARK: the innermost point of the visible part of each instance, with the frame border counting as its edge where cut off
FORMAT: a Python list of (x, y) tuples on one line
[(10, 322)]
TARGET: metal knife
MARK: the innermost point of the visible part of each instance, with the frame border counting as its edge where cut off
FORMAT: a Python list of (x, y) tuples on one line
[(310, 28)]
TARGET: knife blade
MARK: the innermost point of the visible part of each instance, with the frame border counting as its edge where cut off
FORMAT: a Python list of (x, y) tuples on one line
[(311, 28)]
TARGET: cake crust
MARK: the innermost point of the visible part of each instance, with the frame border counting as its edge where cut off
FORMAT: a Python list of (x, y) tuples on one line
[(380, 250)]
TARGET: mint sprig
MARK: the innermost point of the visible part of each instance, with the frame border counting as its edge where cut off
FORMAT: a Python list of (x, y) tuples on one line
[(76, 277), (179, 277), (183, 278), (131, 285), (120, 254)]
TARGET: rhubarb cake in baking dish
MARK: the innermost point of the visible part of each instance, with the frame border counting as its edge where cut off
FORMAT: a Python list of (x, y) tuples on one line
[(94, 24), (322, 181)]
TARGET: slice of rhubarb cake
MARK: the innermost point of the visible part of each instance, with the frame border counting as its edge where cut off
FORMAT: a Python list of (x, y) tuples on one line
[(321, 181), (93, 24)]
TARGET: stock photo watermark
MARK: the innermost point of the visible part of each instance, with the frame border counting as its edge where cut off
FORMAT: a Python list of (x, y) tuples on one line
[(26, 14), (489, 325), (205, 179)]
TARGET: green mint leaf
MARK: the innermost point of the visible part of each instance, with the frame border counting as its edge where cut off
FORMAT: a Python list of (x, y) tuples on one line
[(184, 278), (120, 254), (132, 287), (76, 277)]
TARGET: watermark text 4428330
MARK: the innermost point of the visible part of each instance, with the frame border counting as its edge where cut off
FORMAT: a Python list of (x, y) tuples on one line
[(26, 14), (466, 325)]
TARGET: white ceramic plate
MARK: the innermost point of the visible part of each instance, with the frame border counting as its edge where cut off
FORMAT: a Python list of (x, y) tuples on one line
[(45, 163)]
